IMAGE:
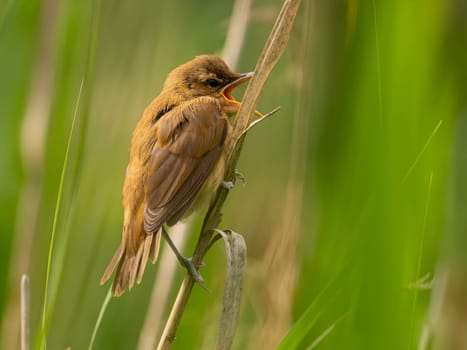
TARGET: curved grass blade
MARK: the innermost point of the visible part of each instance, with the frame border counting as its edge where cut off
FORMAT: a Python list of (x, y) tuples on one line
[(43, 329), (235, 250), (300, 330), (99, 318)]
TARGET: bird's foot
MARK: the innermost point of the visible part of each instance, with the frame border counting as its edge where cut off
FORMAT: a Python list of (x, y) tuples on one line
[(193, 271), (186, 262), (231, 184), (238, 175)]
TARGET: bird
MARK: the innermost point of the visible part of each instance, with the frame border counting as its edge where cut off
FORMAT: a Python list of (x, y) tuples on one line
[(177, 161)]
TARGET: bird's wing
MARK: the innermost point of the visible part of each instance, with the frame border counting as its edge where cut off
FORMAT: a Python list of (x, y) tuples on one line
[(189, 143)]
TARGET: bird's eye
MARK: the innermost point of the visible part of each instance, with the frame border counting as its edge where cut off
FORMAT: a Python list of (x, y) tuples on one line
[(213, 83)]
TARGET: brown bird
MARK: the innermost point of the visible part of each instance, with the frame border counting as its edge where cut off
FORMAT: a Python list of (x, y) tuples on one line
[(177, 161)]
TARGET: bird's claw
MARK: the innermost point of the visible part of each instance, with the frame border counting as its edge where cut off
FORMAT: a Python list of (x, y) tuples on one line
[(231, 184), (193, 271), (240, 176), (197, 266)]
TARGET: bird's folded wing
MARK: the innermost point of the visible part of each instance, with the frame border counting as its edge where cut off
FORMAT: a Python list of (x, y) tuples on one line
[(189, 143)]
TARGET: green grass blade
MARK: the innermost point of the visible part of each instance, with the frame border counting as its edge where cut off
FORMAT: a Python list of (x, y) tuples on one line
[(419, 260), (99, 318), (325, 333), (299, 332), (43, 329)]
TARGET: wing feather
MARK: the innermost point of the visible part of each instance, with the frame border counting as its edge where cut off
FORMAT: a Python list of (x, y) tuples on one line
[(190, 140)]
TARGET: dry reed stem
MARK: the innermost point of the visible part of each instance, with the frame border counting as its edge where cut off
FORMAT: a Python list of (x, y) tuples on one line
[(236, 33), (271, 53), (25, 312)]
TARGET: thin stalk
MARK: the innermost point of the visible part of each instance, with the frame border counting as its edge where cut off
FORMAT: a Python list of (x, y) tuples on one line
[(25, 313), (99, 318), (55, 220)]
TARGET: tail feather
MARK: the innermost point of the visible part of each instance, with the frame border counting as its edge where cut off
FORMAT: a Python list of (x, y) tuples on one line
[(135, 263), (113, 263), (144, 258), (122, 276), (130, 268), (155, 245)]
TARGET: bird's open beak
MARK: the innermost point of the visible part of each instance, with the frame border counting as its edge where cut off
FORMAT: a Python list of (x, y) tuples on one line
[(227, 91)]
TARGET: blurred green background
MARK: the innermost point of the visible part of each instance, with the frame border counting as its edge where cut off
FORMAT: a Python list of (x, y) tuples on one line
[(356, 190)]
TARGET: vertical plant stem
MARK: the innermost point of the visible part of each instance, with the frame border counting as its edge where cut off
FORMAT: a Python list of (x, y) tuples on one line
[(25, 312), (236, 32)]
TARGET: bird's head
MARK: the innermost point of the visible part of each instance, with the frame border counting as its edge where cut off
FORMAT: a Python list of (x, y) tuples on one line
[(207, 75)]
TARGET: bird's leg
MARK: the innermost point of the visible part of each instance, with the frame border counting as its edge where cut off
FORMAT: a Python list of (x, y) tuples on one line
[(185, 262), (231, 184)]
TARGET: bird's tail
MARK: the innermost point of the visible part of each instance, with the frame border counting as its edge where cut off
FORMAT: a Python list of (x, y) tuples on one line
[(131, 267)]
